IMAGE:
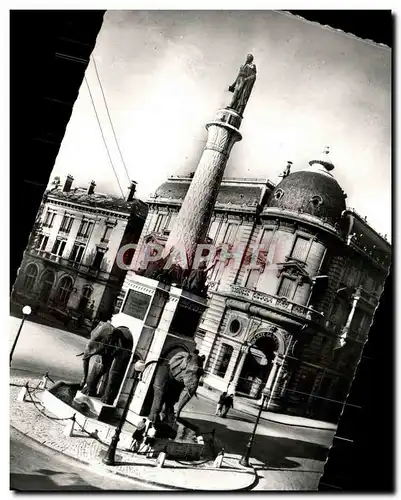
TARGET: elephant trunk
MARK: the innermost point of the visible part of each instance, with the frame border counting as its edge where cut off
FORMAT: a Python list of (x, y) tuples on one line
[(85, 363), (185, 397)]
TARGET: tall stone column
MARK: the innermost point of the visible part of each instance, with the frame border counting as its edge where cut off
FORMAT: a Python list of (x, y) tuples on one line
[(192, 222), (236, 375)]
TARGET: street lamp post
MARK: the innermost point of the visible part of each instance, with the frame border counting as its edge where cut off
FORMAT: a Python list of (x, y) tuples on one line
[(245, 458), (139, 368), (26, 311)]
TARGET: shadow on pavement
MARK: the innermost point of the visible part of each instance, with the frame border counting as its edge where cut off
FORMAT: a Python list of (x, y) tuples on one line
[(41, 481), (241, 419), (271, 451)]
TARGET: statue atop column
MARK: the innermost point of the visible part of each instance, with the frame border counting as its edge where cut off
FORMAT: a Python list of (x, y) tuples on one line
[(242, 87)]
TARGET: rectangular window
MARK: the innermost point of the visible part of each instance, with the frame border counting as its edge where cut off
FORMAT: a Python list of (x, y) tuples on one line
[(286, 288), (58, 247), (300, 248), (66, 223), (89, 229), (98, 259), (223, 360), (167, 225), (43, 242), (158, 224), (82, 228), (107, 234), (85, 229), (77, 253), (231, 234), (49, 218)]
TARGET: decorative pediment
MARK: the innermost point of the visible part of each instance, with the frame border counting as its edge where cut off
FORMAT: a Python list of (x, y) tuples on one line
[(294, 268)]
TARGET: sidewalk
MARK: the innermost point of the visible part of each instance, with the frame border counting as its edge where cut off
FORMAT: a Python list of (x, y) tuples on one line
[(28, 419), (251, 407)]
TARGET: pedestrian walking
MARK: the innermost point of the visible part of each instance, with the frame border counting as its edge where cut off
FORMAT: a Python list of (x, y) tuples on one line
[(150, 440), (137, 436), (227, 404), (219, 406)]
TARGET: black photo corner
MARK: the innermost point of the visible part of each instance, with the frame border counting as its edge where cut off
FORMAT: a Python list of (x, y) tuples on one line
[(51, 51)]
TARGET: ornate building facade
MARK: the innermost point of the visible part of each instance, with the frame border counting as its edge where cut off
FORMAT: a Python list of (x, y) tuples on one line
[(295, 324), (69, 269)]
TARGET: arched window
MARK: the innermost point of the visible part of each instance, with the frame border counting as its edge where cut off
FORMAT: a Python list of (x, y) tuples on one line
[(31, 273), (316, 201), (86, 295), (47, 281), (64, 290)]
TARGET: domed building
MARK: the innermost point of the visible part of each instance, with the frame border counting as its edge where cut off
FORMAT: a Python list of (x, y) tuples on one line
[(294, 285), (311, 191)]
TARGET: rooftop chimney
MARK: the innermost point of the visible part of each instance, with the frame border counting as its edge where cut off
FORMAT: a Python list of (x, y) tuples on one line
[(91, 188), (131, 192), (68, 183)]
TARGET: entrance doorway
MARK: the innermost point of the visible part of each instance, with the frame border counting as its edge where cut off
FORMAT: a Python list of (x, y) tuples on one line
[(47, 282), (257, 366)]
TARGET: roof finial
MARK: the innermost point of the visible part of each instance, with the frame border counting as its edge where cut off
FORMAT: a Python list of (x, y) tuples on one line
[(324, 160), (287, 170)]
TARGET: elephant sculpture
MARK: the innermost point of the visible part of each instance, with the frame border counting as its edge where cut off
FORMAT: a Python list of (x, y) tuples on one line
[(175, 380), (111, 350)]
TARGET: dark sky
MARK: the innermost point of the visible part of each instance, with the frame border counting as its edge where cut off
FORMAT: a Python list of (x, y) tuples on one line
[(165, 74)]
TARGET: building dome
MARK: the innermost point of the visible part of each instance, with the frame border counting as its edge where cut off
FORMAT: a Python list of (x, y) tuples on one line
[(311, 191)]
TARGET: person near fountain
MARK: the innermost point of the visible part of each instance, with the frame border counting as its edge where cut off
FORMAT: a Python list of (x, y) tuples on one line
[(137, 436), (219, 406), (228, 403), (150, 440)]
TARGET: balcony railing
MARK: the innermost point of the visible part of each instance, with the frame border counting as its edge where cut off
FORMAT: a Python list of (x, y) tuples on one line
[(273, 301), (84, 268)]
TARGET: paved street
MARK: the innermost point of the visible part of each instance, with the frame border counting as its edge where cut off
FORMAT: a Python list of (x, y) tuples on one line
[(41, 348), (36, 468), (287, 457)]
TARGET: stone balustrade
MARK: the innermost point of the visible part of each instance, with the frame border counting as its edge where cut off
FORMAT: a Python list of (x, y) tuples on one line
[(83, 268), (282, 303)]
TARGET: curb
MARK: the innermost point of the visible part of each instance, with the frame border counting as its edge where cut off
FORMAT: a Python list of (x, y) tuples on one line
[(98, 466), (266, 419), (242, 409), (91, 464)]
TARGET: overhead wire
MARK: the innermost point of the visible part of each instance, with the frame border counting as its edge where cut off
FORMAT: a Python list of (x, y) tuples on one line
[(103, 137), (110, 120)]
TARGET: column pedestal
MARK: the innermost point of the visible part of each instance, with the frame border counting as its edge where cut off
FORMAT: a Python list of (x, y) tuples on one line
[(163, 321)]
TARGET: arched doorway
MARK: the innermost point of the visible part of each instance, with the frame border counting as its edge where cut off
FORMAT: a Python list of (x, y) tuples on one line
[(47, 282), (64, 291), (257, 366), (84, 300), (31, 273)]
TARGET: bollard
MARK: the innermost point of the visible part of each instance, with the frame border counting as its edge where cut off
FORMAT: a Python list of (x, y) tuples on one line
[(69, 428), (219, 460), (200, 440), (23, 392), (161, 459), (43, 382)]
